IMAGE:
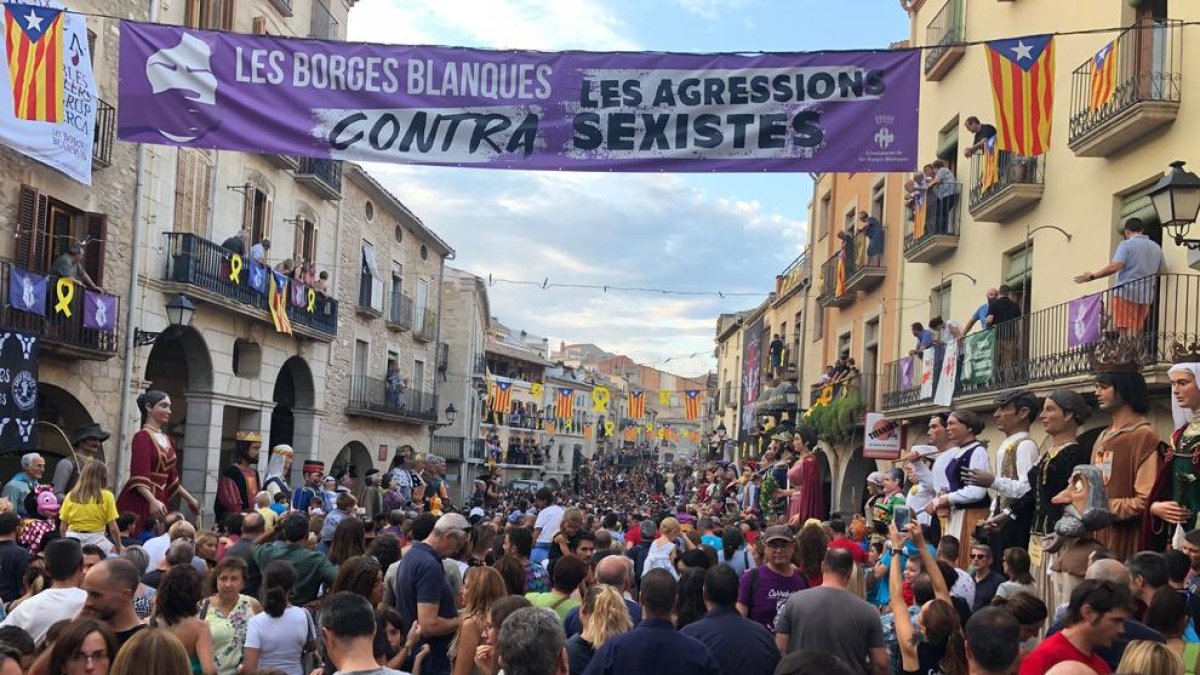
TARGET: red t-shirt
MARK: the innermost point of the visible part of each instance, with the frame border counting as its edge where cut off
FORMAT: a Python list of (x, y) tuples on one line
[(856, 551), (634, 536), (1056, 649)]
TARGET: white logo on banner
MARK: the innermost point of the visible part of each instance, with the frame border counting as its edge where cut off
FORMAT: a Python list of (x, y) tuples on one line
[(186, 67)]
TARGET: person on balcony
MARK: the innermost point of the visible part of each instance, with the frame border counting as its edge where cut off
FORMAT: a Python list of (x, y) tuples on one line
[(1005, 309), (924, 339), (776, 352), (945, 196), (1127, 450), (980, 316), (394, 386), (1137, 260), (874, 232), (239, 482), (1175, 500), (982, 132), (1015, 412), (70, 265), (259, 251)]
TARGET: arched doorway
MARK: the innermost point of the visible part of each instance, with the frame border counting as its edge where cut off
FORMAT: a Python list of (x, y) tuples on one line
[(355, 457), (179, 364), (826, 479), (854, 483), (57, 407), (293, 390)]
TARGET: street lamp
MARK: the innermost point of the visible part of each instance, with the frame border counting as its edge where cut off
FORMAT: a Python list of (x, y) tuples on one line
[(791, 394), (451, 414), (1176, 200), (179, 314)]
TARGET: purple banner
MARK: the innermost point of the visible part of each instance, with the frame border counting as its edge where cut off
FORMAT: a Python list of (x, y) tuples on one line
[(99, 311), (906, 373), (582, 111), (1085, 321)]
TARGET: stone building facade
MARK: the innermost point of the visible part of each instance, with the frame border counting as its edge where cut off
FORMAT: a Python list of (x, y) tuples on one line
[(465, 317)]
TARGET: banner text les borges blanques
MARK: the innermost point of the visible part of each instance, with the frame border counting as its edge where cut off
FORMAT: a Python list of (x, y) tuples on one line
[(617, 111)]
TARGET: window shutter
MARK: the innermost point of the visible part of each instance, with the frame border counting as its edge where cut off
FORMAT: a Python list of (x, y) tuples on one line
[(267, 217), (298, 240), (248, 210), (259, 25), (91, 46), (191, 15), (310, 251), (93, 255), (185, 194), (226, 13), (31, 228)]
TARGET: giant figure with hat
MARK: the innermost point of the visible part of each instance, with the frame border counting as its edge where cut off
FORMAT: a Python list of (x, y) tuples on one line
[(153, 465), (86, 445), (279, 467), (304, 496), (239, 483), (1127, 451), (1175, 500)]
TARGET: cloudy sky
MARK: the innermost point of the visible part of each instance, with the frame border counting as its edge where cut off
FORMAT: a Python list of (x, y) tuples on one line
[(728, 233)]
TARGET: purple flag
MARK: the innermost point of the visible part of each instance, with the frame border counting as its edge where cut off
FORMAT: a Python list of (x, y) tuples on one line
[(580, 111), (99, 311), (1084, 328), (258, 276), (299, 294), (27, 290), (906, 373)]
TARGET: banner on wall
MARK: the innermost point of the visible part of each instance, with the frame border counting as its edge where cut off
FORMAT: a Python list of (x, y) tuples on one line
[(580, 111), (752, 353), (18, 390), (883, 438), (47, 93)]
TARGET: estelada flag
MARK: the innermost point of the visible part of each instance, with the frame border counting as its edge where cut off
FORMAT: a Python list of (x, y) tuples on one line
[(991, 166), (1022, 74), (691, 404), (34, 39), (1104, 76), (277, 301), (563, 406), (502, 397), (637, 404)]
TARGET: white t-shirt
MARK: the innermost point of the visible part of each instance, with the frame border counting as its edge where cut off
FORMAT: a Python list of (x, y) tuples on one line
[(45, 609), (156, 550), (280, 642), (548, 519)]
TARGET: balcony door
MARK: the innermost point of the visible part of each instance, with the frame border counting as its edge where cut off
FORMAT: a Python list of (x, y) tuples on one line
[(422, 302), (418, 382), (358, 386)]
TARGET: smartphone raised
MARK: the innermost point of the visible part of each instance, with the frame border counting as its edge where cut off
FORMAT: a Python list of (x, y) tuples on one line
[(901, 517)]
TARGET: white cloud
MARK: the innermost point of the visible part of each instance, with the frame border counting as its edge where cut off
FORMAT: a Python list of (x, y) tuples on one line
[(711, 9)]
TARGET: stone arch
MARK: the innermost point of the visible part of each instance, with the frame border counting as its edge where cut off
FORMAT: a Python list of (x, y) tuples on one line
[(184, 359), (823, 460), (854, 482), (353, 454), (293, 391), (58, 408)]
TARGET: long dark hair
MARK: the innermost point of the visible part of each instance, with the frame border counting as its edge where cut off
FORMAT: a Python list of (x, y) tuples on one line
[(349, 540), (689, 599), (178, 594), (358, 574), (148, 400), (732, 541), (279, 578)]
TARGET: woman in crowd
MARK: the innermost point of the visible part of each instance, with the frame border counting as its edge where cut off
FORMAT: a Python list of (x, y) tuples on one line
[(482, 587), (227, 612), (1143, 656), (603, 616), (178, 595), (1031, 614), (361, 574), (84, 647), (811, 544), (276, 638), (689, 601), (349, 540), (153, 650), (513, 573), (937, 647), (89, 511), (734, 551), (206, 547), (485, 653), (143, 597), (1016, 568), (664, 550)]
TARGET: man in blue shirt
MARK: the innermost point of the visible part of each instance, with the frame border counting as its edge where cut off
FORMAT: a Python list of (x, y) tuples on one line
[(423, 592), (654, 647), (924, 338), (739, 644), (1135, 263), (980, 316)]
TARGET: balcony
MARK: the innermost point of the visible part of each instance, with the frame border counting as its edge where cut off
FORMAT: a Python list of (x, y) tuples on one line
[(284, 7), (102, 142), (400, 313), (516, 457), (864, 269), (1004, 184), (285, 162), (426, 329), (944, 35), (371, 397), (1146, 87), (449, 448), (322, 176), (798, 275), (62, 335), (322, 25), (861, 385), (932, 226), (201, 269), (479, 367), (1049, 347), (833, 292)]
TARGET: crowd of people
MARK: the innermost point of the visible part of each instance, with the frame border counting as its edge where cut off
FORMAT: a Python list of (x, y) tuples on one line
[(1078, 557)]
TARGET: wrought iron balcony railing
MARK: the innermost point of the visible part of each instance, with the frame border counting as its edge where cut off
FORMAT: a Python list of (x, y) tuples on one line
[(63, 331), (106, 133), (377, 397), (943, 32)]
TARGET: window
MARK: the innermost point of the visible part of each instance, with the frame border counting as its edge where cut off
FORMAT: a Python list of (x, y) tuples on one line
[(797, 331), (877, 199), (46, 227), (418, 378), (193, 190), (370, 288), (305, 246), (825, 217), (398, 234), (256, 215), (361, 350), (369, 210), (947, 149), (818, 324), (939, 302), (1018, 271), (849, 219), (424, 252), (421, 304), (210, 14), (843, 343)]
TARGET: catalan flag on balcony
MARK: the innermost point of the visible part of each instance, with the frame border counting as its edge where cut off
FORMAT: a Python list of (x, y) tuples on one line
[(990, 174), (563, 405), (34, 39), (587, 431), (840, 288), (691, 404), (920, 215), (277, 301), (502, 398), (637, 404), (1104, 76), (1022, 74)]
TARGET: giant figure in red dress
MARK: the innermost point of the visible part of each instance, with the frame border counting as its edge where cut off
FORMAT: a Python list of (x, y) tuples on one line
[(153, 465)]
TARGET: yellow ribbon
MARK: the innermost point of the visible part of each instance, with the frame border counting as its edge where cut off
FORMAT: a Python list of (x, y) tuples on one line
[(312, 301), (662, 434), (235, 268), (65, 290), (535, 389), (664, 397), (649, 428), (609, 427), (567, 426), (600, 398)]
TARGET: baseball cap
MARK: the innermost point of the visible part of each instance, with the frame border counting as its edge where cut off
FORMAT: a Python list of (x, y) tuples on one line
[(778, 532)]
